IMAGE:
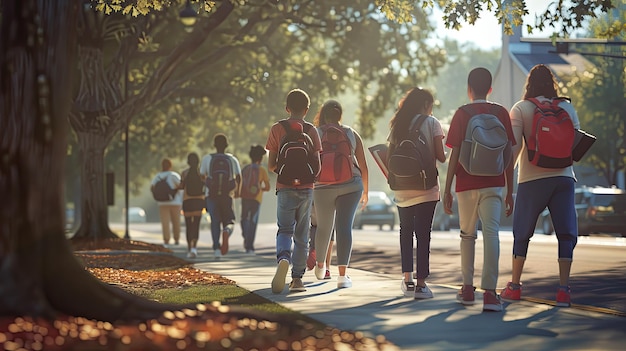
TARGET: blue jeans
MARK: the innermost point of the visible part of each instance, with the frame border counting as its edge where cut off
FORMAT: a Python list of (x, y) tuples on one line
[(416, 220), (222, 216), (294, 218), (556, 193), (249, 220)]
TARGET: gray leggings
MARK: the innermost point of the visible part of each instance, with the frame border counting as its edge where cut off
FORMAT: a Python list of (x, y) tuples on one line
[(336, 204)]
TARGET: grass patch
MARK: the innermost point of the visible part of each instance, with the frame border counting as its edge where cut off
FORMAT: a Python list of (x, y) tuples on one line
[(231, 295), (225, 294)]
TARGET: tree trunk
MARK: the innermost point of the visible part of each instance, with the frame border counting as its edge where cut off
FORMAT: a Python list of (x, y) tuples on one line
[(38, 273), (94, 221), (101, 110)]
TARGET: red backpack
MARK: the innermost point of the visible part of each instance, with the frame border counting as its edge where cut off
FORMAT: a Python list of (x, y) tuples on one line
[(250, 181), (336, 156), (552, 139)]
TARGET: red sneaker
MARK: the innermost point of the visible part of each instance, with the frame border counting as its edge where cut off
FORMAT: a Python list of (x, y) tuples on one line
[(511, 292), (310, 261), (491, 302), (563, 298), (225, 237), (466, 295)]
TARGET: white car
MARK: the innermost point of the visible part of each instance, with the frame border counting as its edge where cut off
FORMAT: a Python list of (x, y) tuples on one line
[(135, 215)]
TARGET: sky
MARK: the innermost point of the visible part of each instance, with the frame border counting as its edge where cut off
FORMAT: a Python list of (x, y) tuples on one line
[(486, 33)]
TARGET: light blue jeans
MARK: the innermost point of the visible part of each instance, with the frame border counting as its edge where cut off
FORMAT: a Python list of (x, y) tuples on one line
[(294, 218), (485, 204)]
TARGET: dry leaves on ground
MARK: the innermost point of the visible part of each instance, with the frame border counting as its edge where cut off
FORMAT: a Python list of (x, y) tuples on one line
[(137, 265)]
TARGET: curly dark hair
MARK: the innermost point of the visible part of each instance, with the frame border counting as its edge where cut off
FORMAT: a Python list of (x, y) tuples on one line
[(541, 82)]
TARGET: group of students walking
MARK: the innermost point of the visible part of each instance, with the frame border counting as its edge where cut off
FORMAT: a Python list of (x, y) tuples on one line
[(321, 170), (337, 185), (479, 196), (212, 183), (482, 197)]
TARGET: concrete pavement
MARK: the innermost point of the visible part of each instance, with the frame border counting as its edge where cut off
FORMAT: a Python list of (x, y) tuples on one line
[(376, 307)]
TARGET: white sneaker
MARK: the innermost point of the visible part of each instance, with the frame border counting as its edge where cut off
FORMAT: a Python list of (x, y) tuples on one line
[(320, 272), (344, 281), (408, 288), (191, 254), (278, 283), (194, 250), (423, 293), (217, 253)]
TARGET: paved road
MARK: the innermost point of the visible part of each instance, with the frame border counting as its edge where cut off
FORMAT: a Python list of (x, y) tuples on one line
[(598, 273), (375, 306)]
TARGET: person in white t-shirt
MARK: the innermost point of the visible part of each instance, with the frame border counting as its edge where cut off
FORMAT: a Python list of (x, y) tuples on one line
[(540, 187), (169, 211), (220, 206)]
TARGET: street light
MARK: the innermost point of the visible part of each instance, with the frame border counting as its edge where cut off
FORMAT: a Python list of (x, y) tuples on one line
[(126, 231), (188, 15)]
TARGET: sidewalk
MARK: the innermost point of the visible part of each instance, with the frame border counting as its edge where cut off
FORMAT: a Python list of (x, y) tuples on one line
[(375, 306)]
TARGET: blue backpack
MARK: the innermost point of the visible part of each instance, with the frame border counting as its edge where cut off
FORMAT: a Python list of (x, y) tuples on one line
[(220, 180)]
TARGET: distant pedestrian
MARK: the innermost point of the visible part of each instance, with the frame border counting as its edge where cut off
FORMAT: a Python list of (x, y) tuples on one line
[(222, 175), (339, 189), (294, 187), (193, 202), (255, 181), (479, 197), (541, 187), (416, 206), (169, 210)]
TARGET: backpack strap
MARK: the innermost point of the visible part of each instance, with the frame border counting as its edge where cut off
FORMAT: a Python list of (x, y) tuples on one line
[(285, 124), (470, 109), (417, 122), (306, 126)]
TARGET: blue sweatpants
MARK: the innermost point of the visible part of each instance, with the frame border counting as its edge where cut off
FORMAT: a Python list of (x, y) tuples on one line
[(555, 193)]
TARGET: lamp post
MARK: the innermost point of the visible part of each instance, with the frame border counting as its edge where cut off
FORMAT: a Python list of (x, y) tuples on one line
[(126, 231), (188, 16)]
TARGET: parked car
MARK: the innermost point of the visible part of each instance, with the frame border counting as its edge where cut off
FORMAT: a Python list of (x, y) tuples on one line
[(135, 215), (443, 221), (380, 210), (598, 209)]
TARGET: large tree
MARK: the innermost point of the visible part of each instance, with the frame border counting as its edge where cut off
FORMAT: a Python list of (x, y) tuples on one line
[(38, 271), (236, 64), (38, 48)]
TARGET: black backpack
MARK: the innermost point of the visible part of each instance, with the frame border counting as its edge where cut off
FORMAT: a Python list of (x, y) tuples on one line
[(412, 164), (194, 186), (220, 180), (161, 191), (296, 163)]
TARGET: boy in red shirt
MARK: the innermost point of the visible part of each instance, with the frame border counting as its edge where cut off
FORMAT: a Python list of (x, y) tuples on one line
[(479, 197)]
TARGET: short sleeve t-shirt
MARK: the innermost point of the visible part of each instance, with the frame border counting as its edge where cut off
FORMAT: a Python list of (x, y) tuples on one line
[(456, 134), (205, 167), (173, 180), (277, 132)]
